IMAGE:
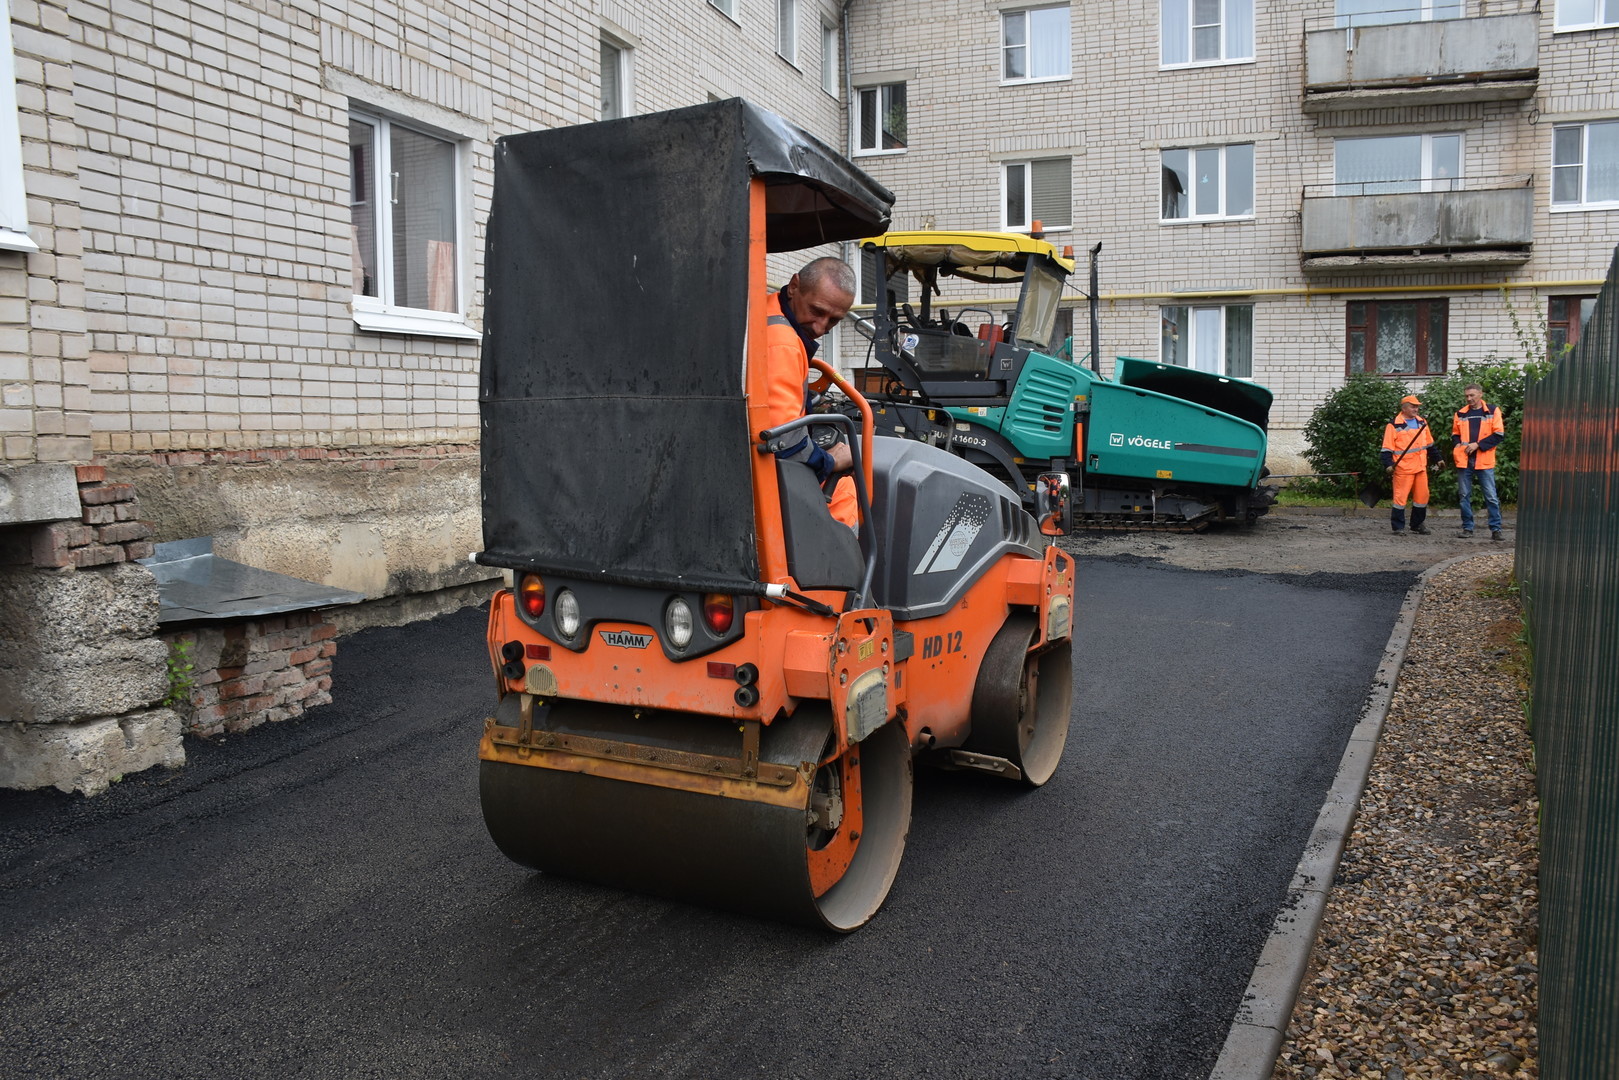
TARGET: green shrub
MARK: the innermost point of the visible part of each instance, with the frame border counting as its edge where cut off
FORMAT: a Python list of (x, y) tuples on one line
[(1503, 383), (1346, 433)]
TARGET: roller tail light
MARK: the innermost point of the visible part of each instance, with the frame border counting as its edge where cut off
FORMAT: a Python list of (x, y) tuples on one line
[(719, 612), (531, 596)]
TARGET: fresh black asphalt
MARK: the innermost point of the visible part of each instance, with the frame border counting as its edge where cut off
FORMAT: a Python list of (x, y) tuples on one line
[(319, 898)]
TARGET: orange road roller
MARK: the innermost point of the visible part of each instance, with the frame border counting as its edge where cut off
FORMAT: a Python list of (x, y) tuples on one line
[(709, 689)]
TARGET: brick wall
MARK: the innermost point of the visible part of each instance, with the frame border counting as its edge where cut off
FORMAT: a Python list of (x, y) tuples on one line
[(256, 671), (188, 170), (1120, 109), (109, 530)]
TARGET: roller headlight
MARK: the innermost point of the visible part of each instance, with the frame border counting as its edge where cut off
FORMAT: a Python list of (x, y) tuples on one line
[(677, 623), (566, 614)]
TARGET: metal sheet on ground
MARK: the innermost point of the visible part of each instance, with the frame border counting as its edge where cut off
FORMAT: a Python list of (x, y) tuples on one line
[(321, 899)]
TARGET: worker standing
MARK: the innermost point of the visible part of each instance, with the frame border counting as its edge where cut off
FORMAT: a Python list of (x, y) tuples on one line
[(797, 317), (1478, 430), (1407, 441)]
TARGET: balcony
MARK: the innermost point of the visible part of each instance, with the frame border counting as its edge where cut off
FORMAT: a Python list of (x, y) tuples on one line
[(1477, 223), (1490, 58)]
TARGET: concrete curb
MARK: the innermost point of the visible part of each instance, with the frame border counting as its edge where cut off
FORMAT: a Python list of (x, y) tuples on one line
[(1257, 1030)]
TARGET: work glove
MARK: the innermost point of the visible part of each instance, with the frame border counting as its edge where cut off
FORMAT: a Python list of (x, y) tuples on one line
[(1388, 470)]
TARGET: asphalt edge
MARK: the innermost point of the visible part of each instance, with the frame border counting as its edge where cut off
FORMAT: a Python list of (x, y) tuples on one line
[(1255, 1039)]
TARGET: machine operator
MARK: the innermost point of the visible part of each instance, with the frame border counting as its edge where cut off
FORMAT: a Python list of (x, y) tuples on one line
[(797, 317)]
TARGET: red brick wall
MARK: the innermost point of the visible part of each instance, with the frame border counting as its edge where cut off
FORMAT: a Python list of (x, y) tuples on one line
[(257, 671), (109, 530)]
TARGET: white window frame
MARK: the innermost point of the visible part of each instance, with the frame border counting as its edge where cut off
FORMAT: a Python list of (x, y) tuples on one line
[(829, 59), (1192, 216), (861, 149), (1027, 15), (1194, 337), (375, 313), (1427, 182), (1046, 227), (726, 8), (1605, 13), (1226, 46), (13, 192), (626, 76), (787, 30), (1424, 11), (1583, 165)]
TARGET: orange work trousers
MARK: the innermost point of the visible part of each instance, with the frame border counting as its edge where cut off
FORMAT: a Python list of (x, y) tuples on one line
[(844, 506), (1414, 484)]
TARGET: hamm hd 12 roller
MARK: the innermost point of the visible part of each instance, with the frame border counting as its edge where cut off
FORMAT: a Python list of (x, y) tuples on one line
[(708, 688)]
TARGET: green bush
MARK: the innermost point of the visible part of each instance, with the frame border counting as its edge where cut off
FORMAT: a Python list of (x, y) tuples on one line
[(1503, 383), (1346, 433)]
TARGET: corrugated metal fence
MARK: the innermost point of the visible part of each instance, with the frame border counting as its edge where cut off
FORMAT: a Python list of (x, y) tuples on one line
[(1568, 566)]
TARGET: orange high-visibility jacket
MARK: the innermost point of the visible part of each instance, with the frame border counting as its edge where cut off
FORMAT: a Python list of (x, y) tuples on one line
[(787, 369), (1481, 425), (1406, 448)]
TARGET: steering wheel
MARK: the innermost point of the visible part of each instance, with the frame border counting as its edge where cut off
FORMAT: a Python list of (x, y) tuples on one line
[(826, 436)]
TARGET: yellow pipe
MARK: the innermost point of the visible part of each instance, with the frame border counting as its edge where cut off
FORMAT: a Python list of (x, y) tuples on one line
[(1307, 291)]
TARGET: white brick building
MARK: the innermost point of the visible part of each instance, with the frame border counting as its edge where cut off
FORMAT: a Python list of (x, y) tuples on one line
[(1406, 112), (241, 240)]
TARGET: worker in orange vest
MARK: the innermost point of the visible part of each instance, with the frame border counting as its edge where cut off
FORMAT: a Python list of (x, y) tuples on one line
[(1478, 430), (796, 318), (1407, 447)]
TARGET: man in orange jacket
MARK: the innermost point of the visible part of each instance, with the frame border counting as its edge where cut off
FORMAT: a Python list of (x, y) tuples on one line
[(1478, 430), (1406, 442), (796, 318)]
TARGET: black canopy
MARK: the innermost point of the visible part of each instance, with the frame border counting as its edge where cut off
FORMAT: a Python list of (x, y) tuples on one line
[(614, 431)]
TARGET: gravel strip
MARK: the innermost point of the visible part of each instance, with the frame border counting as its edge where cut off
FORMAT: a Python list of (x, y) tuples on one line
[(1425, 963)]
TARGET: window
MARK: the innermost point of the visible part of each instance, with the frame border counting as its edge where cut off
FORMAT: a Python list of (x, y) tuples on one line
[(1565, 319), (13, 196), (1586, 14), (1208, 182), (726, 6), (787, 30), (1034, 44), (1206, 31), (406, 204), (1398, 337), (1585, 165), (1214, 339), (881, 119), (829, 60), (1388, 164), (615, 79), (1383, 12), (1037, 191)]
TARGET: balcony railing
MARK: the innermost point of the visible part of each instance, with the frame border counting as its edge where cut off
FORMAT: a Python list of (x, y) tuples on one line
[(1349, 64), (1471, 221)]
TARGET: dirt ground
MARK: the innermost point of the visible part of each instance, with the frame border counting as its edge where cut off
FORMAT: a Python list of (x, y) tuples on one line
[(1301, 541)]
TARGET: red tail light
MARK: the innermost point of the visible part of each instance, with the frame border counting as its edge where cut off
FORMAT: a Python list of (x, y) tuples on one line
[(531, 595), (719, 611)]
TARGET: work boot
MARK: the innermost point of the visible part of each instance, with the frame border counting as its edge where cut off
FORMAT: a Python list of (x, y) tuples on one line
[(1495, 534), (1419, 515), (1466, 534), (1397, 519)]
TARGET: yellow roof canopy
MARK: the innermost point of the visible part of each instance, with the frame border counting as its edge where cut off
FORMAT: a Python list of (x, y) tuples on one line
[(978, 256)]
